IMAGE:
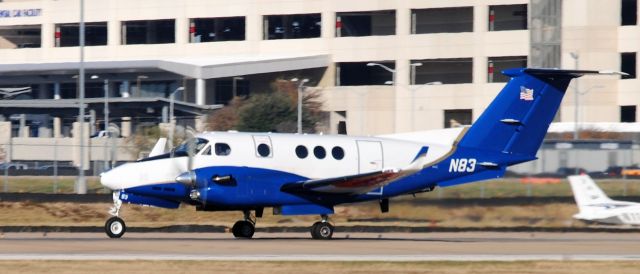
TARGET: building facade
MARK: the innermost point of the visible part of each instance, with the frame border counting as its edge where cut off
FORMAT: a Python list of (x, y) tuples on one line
[(381, 66)]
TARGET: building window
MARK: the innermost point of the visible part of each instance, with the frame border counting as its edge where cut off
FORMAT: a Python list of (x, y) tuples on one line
[(496, 65), (628, 64), (20, 36), (226, 89), (446, 71), (292, 26), (67, 35), (442, 20), (628, 114), (508, 17), (366, 23), (148, 32), (629, 12), (359, 74), (217, 29), (457, 117)]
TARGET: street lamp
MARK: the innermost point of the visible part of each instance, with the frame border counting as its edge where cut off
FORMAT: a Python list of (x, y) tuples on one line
[(10, 92), (413, 101), (81, 186), (575, 57), (300, 89), (172, 121)]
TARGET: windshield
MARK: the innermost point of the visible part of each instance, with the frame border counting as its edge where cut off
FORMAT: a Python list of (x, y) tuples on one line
[(182, 149)]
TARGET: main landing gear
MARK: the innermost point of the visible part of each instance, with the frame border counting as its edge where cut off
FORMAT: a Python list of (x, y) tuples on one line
[(115, 226), (322, 230), (244, 229)]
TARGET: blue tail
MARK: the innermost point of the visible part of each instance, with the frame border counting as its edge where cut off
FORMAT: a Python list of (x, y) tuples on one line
[(517, 120)]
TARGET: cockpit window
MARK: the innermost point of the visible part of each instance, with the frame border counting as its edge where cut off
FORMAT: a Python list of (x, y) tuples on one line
[(222, 149), (182, 149)]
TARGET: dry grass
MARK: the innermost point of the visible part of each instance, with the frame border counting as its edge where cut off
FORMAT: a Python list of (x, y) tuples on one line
[(557, 267), (403, 212)]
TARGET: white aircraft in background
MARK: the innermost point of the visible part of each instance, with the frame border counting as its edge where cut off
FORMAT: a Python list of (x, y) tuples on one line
[(595, 206)]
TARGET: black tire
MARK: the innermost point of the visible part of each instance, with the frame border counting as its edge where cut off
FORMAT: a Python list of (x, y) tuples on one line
[(322, 231), (243, 230), (115, 227)]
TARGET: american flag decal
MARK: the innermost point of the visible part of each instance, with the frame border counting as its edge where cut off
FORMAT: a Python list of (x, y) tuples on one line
[(526, 94)]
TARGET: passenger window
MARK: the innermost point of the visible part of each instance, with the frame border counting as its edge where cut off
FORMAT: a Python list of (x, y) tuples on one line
[(319, 152), (338, 153), (302, 152), (222, 149), (264, 150)]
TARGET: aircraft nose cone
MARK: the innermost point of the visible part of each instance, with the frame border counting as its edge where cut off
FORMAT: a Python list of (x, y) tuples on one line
[(110, 179)]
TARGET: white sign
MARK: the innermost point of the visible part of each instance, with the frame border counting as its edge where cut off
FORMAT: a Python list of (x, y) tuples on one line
[(20, 13)]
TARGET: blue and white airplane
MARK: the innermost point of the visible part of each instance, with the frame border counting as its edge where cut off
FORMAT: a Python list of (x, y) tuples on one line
[(298, 174)]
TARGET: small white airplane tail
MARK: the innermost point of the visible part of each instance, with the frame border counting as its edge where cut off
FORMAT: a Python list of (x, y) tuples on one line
[(586, 192)]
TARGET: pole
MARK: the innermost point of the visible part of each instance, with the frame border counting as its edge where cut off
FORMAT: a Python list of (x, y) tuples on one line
[(171, 120), (576, 130), (106, 124), (82, 184)]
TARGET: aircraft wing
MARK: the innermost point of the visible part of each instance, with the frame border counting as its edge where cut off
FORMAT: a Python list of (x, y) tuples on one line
[(354, 184)]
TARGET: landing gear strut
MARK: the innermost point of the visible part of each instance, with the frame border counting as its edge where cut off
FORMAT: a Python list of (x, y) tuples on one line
[(322, 230), (244, 229), (115, 226)]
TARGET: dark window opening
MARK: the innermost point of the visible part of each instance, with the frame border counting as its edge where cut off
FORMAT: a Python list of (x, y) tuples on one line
[(20, 36), (319, 152), (359, 74), (302, 152), (337, 153), (629, 12), (628, 64), (264, 150), (292, 26), (366, 23), (628, 114), (446, 71), (442, 20), (218, 29), (342, 127), (496, 65), (68, 35), (225, 90), (223, 149), (508, 17), (148, 32), (457, 117)]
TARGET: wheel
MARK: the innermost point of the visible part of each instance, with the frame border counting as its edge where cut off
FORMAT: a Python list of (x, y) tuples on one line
[(243, 229), (322, 231), (115, 227)]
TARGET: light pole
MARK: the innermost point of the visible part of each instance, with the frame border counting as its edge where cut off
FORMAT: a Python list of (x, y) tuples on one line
[(172, 121), (300, 90), (413, 101), (576, 129), (234, 85), (81, 185), (106, 122)]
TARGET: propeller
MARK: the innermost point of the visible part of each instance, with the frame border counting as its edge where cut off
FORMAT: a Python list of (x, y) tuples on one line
[(189, 177)]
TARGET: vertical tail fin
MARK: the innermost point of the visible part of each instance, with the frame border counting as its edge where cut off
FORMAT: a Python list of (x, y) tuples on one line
[(518, 118), (586, 192)]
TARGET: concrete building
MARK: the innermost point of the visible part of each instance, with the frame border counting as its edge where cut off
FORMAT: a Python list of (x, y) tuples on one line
[(215, 49)]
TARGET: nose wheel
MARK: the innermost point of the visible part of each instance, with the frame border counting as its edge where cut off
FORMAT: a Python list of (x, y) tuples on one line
[(115, 226), (322, 230)]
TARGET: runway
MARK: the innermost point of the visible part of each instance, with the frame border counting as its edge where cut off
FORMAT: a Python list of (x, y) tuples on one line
[(471, 246)]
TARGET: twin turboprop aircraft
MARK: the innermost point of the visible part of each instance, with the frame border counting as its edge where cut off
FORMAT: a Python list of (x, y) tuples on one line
[(300, 174)]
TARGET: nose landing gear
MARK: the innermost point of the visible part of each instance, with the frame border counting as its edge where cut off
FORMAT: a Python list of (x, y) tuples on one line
[(115, 226)]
